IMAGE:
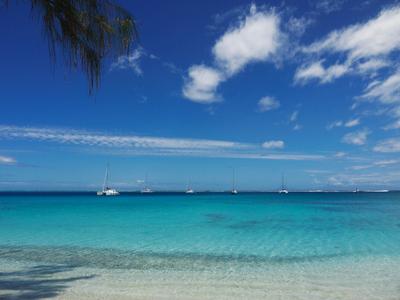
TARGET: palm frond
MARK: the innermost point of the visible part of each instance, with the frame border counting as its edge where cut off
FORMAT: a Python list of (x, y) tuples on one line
[(86, 31)]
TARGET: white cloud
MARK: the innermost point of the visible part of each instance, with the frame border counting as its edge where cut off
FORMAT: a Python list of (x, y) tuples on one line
[(316, 70), (387, 91), (356, 138), (298, 26), (7, 160), (394, 125), (376, 179), (388, 162), (202, 84), (379, 36), (375, 164), (328, 6), (133, 145), (388, 146), (361, 167), (283, 156), (297, 127), (273, 145), (340, 154), (372, 65), (368, 49), (294, 116), (352, 123), (310, 71), (267, 103), (334, 124), (395, 112), (354, 106), (130, 61), (80, 137), (172, 67), (256, 38), (293, 119), (365, 48)]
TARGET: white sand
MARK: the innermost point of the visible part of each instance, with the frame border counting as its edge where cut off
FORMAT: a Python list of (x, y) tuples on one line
[(367, 278)]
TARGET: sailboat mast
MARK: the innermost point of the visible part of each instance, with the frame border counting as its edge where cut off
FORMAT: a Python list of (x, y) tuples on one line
[(283, 182), (105, 178), (233, 179)]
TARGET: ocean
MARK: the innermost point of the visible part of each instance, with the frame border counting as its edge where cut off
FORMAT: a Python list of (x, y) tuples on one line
[(201, 246)]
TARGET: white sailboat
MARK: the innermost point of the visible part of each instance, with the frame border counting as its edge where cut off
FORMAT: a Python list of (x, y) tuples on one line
[(283, 190), (234, 190), (189, 189), (146, 189), (107, 191)]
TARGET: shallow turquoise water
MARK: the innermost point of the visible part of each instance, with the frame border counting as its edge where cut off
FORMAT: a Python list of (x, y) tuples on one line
[(270, 228), (204, 246)]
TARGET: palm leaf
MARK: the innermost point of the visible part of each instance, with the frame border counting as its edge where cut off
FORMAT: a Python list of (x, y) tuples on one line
[(86, 31)]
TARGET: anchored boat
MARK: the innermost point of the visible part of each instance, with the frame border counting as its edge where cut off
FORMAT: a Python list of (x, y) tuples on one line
[(283, 189), (107, 191)]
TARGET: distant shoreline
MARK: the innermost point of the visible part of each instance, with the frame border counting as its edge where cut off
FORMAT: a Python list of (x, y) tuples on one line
[(196, 193)]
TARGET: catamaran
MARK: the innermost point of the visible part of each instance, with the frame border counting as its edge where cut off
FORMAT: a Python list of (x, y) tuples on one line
[(107, 191), (146, 190), (283, 190), (234, 190)]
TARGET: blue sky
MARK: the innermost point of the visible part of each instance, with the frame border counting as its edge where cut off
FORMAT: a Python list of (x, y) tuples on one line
[(306, 88)]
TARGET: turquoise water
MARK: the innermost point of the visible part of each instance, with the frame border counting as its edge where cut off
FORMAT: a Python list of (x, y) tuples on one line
[(269, 226), (220, 232)]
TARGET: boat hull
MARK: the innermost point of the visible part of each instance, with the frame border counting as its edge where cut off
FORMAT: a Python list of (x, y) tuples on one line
[(108, 193)]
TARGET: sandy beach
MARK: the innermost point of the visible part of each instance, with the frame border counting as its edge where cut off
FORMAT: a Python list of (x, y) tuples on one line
[(321, 280)]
